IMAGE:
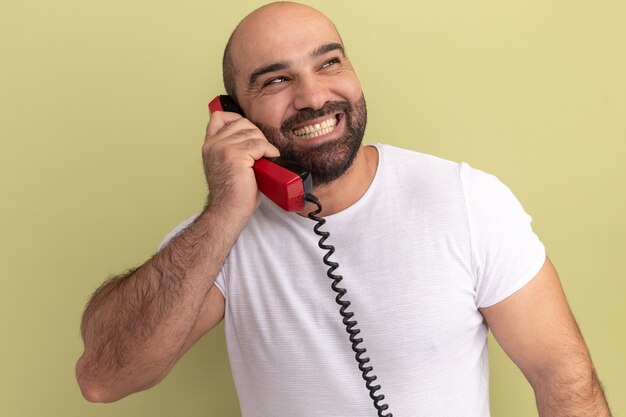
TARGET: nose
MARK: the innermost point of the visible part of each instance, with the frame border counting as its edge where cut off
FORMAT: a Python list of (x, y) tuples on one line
[(310, 92)]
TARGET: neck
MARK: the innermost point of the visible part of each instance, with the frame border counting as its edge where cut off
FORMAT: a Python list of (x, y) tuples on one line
[(346, 190)]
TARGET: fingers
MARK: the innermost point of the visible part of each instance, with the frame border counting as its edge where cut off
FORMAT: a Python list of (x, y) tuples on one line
[(231, 146), (219, 120), (227, 129)]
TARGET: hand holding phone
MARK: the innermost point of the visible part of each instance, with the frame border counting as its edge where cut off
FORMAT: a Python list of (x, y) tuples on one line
[(282, 181)]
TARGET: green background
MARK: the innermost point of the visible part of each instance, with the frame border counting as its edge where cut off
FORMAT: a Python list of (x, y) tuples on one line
[(102, 116)]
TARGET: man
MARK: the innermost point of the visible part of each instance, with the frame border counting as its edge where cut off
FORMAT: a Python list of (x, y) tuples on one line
[(432, 253)]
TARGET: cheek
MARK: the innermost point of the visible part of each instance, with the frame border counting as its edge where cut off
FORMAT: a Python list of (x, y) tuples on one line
[(357, 91), (349, 87), (269, 112)]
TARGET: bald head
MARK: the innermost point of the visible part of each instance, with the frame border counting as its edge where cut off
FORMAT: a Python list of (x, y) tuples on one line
[(275, 20)]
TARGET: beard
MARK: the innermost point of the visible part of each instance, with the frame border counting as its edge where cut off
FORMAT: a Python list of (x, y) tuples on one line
[(329, 160)]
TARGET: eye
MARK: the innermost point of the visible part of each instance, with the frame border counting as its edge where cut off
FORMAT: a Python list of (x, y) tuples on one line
[(331, 62), (274, 81)]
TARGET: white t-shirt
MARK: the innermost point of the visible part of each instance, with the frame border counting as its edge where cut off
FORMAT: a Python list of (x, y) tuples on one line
[(429, 243)]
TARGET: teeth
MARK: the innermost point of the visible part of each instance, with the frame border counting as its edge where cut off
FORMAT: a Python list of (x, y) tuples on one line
[(317, 129)]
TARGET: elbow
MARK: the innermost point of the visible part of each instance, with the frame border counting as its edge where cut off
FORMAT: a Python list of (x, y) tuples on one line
[(99, 387), (92, 387), (573, 373), (95, 394)]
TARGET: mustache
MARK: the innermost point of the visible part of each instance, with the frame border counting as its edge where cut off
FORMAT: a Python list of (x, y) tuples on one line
[(309, 114)]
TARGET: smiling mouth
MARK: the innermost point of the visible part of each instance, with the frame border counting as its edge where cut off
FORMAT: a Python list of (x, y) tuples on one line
[(317, 129)]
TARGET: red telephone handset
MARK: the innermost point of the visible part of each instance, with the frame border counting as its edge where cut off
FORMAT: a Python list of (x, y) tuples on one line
[(282, 181)]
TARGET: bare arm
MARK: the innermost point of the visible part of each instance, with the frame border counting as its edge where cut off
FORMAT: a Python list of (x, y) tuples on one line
[(137, 326), (537, 329)]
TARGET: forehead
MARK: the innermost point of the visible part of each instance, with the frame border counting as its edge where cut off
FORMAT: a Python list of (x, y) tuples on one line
[(280, 35)]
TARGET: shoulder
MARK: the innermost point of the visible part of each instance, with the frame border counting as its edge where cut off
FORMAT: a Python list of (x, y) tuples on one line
[(402, 158), (418, 173), (487, 197), (434, 169)]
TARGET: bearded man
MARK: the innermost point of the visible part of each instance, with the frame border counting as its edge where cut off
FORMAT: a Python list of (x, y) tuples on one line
[(433, 254)]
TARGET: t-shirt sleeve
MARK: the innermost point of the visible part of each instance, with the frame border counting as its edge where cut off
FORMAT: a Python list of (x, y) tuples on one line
[(506, 253), (219, 280)]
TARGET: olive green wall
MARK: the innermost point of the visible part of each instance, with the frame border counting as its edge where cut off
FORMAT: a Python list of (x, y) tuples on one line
[(102, 114)]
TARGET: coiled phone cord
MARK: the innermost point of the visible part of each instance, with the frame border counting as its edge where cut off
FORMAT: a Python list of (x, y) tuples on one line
[(347, 315)]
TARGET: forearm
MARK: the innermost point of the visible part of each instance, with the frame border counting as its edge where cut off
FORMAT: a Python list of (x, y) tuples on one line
[(136, 326), (571, 390)]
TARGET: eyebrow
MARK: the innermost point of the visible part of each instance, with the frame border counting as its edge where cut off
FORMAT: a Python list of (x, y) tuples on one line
[(328, 47), (277, 66), (267, 69)]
